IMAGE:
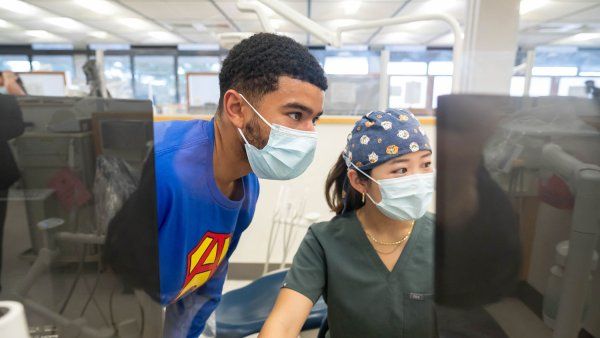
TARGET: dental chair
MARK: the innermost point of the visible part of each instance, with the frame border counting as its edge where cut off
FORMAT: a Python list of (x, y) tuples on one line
[(243, 312)]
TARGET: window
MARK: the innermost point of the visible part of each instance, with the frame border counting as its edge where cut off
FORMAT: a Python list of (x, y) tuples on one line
[(442, 85), (186, 64), (441, 68), (155, 78), (16, 63), (554, 71), (574, 86), (408, 91), (407, 68), (540, 86), (342, 65), (78, 82), (117, 73), (57, 63)]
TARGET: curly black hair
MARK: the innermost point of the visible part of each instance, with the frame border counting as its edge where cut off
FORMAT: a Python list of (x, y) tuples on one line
[(254, 65)]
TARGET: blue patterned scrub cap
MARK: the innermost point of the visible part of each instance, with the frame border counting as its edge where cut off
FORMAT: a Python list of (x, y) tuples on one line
[(380, 136)]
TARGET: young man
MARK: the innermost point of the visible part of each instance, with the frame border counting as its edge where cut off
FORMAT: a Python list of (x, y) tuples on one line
[(271, 94)]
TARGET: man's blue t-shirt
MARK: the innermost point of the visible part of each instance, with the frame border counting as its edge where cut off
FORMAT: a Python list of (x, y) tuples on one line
[(198, 226)]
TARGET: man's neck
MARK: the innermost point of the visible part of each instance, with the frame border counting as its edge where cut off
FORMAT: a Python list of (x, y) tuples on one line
[(229, 158)]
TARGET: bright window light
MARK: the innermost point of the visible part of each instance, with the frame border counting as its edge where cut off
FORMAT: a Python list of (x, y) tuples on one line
[(51, 46), (107, 46), (19, 66), (336, 65), (528, 6), (198, 46), (441, 68), (407, 68), (540, 86), (573, 86), (98, 6), (67, 23), (133, 23), (442, 85), (351, 6), (19, 7), (592, 73), (554, 71), (408, 91)]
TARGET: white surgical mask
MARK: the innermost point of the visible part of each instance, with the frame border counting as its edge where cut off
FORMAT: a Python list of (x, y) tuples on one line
[(404, 198), (287, 154)]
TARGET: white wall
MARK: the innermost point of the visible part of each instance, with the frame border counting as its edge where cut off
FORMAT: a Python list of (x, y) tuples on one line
[(253, 244)]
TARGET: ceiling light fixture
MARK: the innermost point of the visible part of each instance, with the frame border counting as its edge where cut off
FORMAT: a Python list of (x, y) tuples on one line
[(99, 34), (351, 6), (63, 22), (161, 35), (19, 7), (437, 6), (528, 6), (133, 23), (5, 24), (38, 33), (99, 6)]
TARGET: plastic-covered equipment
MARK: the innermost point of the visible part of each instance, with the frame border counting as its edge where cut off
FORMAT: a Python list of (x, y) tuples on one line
[(243, 312), (113, 184)]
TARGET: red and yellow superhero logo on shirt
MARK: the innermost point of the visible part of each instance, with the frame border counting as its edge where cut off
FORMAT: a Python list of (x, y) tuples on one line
[(203, 260)]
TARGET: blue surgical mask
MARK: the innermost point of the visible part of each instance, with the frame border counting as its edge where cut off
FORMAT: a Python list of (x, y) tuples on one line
[(287, 154), (404, 198)]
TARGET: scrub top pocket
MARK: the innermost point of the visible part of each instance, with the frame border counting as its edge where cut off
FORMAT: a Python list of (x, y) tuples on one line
[(418, 315)]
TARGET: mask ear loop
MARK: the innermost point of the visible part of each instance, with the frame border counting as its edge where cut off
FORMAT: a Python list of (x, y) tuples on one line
[(256, 111), (346, 184), (350, 164)]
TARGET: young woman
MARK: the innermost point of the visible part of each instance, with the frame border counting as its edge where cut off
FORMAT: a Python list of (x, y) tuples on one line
[(373, 262)]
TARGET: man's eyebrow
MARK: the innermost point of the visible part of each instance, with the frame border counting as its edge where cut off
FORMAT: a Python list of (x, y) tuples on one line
[(299, 106)]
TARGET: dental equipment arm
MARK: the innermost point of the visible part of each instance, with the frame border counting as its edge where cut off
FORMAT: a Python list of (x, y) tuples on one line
[(584, 180), (334, 38)]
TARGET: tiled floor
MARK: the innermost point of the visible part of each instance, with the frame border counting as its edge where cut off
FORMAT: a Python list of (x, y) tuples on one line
[(517, 320)]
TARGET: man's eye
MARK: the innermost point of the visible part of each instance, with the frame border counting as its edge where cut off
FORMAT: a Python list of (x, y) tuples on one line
[(295, 116)]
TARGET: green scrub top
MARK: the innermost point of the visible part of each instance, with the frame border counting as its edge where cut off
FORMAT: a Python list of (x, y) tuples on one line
[(363, 297)]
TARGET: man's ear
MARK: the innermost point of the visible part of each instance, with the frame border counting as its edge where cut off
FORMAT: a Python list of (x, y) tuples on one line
[(355, 181), (233, 108)]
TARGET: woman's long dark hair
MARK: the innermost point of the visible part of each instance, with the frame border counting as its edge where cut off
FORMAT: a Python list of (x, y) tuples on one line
[(334, 188)]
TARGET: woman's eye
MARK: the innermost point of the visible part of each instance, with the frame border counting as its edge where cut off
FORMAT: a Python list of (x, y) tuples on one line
[(402, 170), (428, 164), (295, 116)]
